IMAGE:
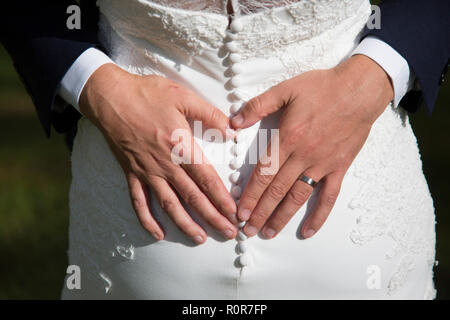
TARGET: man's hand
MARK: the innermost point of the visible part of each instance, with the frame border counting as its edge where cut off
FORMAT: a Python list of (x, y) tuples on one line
[(326, 120), (138, 115)]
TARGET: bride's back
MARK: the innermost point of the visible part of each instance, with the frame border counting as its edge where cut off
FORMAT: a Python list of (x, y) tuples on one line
[(374, 222)]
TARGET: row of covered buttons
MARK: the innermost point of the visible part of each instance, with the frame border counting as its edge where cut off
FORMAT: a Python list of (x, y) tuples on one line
[(238, 148)]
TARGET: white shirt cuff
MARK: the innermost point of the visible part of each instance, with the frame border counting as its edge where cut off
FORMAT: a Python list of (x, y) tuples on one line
[(72, 84), (391, 61)]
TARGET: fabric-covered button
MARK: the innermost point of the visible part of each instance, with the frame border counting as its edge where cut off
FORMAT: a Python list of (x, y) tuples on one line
[(236, 191), (235, 177), (244, 259), (236, 81), (236, 26), (236, 164), (241, 235), (232, 46), (238, 95), (230, 36), (242, 246), (235, 108), (237, 68), (238, 149), (235, 57)]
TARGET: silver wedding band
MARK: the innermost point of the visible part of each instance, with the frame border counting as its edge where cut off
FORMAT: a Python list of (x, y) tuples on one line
[(308, 180)]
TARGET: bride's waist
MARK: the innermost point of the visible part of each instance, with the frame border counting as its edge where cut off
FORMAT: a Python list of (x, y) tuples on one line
[(233, 76)]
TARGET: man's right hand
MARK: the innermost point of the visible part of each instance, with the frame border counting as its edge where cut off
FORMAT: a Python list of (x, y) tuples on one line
[(137, 115)]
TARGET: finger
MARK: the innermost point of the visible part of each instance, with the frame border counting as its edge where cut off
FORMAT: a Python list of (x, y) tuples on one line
[(210, 116), (272, 196), (257, 108), (141, 204), (197, 200), (194, 162), (169, 202), (297, 196), (261, 177), (206, 178), (327, 198)]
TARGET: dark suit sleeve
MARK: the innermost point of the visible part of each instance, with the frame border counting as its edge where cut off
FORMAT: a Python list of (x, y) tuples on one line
[(420, 31), (42, 48)]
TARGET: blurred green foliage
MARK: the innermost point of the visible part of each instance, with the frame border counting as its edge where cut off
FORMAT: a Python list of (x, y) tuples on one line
[(34, 184), (35, 179)]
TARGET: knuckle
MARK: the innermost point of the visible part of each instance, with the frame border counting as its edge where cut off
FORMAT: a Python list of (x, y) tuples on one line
[(258, 218), (298, 196), (311, 147), (172, 85), (293, 135), (167, 170), (138, 204), (341, 157), (276, 191), (193, 198), (215, 115), (263, 179), (168, 205), (251, 197), (290, 139), (209, 182), (255, 106), (330, 199)]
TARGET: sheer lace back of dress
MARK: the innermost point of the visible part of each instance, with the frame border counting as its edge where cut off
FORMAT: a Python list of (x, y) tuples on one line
[(240, 7)]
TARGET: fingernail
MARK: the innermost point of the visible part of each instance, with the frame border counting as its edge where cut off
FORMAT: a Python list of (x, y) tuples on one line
[(250, 230), (228, 233), (237, 120), (198, 239), (309, 233), (244, 214), (269, 232), (156, 236)]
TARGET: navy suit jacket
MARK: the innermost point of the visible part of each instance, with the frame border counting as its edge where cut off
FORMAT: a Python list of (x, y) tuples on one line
[(43, 48)]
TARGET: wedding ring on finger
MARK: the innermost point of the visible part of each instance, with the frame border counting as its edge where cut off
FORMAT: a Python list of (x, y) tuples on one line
[(308, 180)]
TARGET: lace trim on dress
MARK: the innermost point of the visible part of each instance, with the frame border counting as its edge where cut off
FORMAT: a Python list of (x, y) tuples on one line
[(243, 7), (385, 209)]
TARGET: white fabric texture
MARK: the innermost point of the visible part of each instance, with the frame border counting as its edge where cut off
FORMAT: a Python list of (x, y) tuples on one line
[(391, 61), (379, 241), (74, 80)]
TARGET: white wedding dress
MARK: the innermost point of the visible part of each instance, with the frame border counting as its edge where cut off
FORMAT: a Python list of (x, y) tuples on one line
[(379, 241)]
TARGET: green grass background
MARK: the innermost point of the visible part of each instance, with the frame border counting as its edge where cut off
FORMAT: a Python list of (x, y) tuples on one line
[(35, 178)]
